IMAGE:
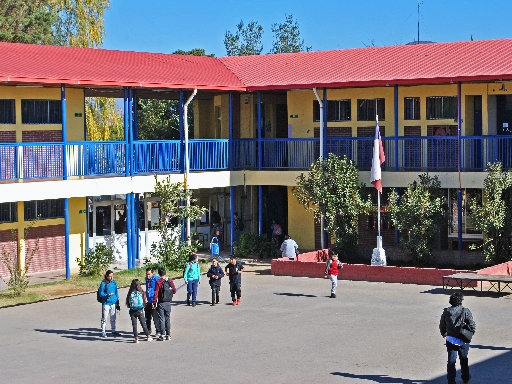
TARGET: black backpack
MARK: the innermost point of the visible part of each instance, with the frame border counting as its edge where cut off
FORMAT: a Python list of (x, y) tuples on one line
[(166, 292)]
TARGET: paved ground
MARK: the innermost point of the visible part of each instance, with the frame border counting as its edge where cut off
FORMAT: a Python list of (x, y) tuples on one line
[(285, 331)]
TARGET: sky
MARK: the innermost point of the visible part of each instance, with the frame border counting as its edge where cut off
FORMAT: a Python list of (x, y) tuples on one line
[(168, 25)]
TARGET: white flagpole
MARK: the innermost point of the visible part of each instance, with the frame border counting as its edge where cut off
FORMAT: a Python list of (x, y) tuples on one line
[(378, 201)]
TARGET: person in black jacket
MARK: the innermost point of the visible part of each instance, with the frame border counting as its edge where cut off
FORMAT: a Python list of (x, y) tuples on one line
[(215, 273), (451, 319), (234, 270)]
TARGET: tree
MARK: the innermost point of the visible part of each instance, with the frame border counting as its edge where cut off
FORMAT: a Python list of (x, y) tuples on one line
[(104, 119), (494, 216), (287, 37), (171, 252), (245, 41), (28, 22), (331, 189), (193, 52), (419, 212)]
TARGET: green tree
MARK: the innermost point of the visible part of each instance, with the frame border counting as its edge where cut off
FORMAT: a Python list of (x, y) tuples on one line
[(287, 37), (28, 22), (245, 41), (419, 212), (494, 216), (104, 119), (331, 189), (193, 52)]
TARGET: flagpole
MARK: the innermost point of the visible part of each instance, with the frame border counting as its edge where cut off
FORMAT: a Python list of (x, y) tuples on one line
[(378, 203)]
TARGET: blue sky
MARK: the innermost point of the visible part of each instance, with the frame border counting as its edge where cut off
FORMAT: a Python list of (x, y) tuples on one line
[(167, 25)]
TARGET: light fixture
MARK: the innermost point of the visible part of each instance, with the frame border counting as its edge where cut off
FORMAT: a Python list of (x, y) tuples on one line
[(246, 100)]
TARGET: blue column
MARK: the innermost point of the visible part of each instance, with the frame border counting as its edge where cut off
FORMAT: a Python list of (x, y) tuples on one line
[(182, 134), (396, 127), (129, 229), (126, 131), (232, 222), (130, 130), (135, 116), (231, 159), (260, 210), (324, 128), (65, 176), (137, 228), (459, 156), (258, 130)]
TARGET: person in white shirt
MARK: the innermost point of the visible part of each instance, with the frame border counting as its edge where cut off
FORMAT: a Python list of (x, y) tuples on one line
[(289, 248)]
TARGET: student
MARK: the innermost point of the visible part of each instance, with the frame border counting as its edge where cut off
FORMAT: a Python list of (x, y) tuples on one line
[(192, 277), (151, 280), (214, 247), (164, 291), (215, 273), (234, 270), (331, 271), (136, 300), (107, 291), (289, 248)]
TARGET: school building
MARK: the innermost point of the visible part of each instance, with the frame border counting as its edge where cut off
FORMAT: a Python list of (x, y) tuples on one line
[(257, 124)]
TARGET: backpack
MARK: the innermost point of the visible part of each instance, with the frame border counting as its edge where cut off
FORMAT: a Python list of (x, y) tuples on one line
[(277, 230), (136, 301), (98, 296), (185, 267), (165, 293)]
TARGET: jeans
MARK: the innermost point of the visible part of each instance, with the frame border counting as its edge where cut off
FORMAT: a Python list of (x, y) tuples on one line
[(139, 314), (107, 310), (215, 294), (236, 289), (149, 313), (192, 290), (453, 351), (163, 311), (334, 281)]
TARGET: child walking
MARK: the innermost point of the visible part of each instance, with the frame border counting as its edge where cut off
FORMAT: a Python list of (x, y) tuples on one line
[(331, 271), (234, 270), (215, 248), (215, 273), (136, 300), (192, 277)]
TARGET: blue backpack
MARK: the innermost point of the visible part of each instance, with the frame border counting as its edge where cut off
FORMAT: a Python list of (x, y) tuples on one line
[(136, 301)]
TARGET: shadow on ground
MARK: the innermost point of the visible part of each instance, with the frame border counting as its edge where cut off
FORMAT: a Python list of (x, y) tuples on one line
[(466, 292), (293, 294), (88, 334), (494, 370)]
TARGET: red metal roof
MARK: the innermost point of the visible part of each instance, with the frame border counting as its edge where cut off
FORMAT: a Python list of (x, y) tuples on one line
[(401, 64), (29, 63)]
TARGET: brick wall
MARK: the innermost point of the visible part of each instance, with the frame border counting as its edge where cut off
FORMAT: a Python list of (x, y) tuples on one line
[(7, 136), (499, 269), (363, 272), (41, 136), (51, 254), (7, 244)]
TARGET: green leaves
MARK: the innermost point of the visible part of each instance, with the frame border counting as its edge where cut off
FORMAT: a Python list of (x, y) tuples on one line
[(287, 37), (331, 189), (96, 261), (245, 41)]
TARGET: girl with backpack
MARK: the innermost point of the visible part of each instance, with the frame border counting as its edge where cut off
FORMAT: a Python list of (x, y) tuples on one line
[(136, 301)]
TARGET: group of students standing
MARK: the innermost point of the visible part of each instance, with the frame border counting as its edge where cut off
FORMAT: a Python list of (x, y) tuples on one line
[(155, 302)]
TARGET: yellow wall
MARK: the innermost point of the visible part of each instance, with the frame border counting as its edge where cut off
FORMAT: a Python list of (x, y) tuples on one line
[(204, 119), (74, 104), (301, 225)]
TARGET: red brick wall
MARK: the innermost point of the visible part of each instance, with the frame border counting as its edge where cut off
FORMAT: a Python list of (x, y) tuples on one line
[(387, 274), (500, 269), (7, 136), (41, 136), (51, 254), (7, 244)]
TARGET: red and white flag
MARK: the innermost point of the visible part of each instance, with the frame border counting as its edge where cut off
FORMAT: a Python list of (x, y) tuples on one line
[(378, 159)]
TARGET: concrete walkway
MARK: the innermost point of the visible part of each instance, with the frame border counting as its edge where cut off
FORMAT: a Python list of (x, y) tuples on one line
[(286, 330)]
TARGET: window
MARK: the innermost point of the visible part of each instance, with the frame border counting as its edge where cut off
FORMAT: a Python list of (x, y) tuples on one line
[(442, 107), (8, 213), (468, 224), (44, 209), (411, 108), (337, 110), (41, 112), (7, 114), (367, 109)]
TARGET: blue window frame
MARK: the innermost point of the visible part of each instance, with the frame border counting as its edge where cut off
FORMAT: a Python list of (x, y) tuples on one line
[(41, 112)]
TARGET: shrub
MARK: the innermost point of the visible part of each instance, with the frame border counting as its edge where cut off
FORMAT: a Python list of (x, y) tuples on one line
[(96, 261), (252, 244)]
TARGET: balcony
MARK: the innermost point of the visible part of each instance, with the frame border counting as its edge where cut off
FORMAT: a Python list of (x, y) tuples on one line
[(29, 161)]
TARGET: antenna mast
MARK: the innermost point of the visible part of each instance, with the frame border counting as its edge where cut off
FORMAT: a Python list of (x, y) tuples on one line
[(418, 21)]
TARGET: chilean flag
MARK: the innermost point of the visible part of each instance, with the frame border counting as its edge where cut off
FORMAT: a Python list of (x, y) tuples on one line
[(378, 159)]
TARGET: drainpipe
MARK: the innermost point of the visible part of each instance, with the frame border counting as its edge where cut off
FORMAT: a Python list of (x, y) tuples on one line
[(187, 160), (322, 157), (459, 157), (65, 177)]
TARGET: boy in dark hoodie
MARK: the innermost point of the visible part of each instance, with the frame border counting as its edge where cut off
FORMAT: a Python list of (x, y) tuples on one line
[(215, 273)]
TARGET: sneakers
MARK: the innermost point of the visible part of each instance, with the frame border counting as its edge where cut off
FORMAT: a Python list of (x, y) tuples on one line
[(167, 337), (238, 301), (213, 303), (188, 301), (333, 295), (103, 335), (194, 304), (115, 333), (136, 341), (235, 303), (160, 338), (150, 338)]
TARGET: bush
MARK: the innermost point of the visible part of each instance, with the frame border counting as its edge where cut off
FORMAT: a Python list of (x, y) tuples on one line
[(96, 261), (252, 244)]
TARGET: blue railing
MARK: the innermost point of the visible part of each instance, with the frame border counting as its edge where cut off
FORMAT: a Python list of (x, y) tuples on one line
[(45, 160)]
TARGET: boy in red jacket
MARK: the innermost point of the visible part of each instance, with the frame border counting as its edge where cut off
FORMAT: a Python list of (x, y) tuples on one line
[(331, 271)]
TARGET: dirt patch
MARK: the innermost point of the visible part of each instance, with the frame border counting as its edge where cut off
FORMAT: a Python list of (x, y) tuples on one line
[(58, 290)]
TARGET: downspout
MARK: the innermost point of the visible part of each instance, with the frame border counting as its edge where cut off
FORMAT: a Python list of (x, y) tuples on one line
[(459, 157), (65, 177), (322, 241), (187, 161)]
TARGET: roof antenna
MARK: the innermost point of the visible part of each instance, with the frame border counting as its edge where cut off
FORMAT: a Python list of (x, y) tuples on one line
[(418, 21)]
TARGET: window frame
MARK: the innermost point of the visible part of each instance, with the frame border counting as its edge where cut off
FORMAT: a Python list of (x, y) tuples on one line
[(339, 114), (447, 106), (412, 112), (8, 110), (12, 207), (41, 111), (364, 112), (43, 209)]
